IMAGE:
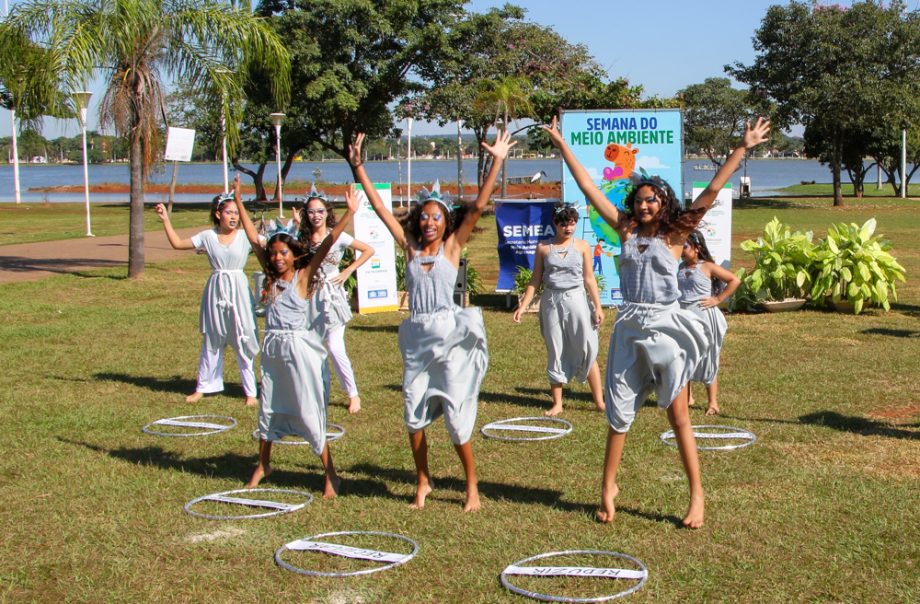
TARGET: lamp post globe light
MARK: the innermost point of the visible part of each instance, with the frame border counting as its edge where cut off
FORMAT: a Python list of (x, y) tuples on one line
[(276, 121), (81, 98)]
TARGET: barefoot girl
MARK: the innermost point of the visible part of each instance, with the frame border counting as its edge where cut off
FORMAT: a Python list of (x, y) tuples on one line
[(316, 222), (703, 286), (569, 326), (295, 378), (226, 315), (655, 344), (443, 346)]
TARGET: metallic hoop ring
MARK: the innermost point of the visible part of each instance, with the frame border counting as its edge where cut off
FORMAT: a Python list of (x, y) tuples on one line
[(280, 508), (178, 421), (641, 572), (509, 425), (333, 432), (730, 433), (314, 573)]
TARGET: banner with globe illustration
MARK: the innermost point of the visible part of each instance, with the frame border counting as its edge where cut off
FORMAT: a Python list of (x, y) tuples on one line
[(612, 145)]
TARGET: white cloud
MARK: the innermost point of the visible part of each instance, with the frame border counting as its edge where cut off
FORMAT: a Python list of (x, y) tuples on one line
[(650, 163)]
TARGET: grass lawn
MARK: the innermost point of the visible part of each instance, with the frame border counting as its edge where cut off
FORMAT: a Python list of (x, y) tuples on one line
[(823, 508)]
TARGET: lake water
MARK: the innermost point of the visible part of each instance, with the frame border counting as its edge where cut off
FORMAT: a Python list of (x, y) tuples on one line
[(767, 176)]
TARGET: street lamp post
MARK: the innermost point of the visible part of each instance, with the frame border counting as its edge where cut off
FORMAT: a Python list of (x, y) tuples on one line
[(409, 161), (82, 100), (276, 120)]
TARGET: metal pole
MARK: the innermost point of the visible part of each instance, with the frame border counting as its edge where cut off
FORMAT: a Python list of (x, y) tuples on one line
[(16, 189), (82, 99), (409, 163), (276, 120), (459, 161), (223, 126), (903, 163)]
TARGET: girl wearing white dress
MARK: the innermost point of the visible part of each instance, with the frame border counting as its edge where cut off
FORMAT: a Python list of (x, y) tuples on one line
[(226, 316), (569, 325), (443, 346)]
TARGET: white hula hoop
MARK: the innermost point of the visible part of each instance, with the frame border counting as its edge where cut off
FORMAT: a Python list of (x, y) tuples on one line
[(309, 544), (640, 574), (500, 429), (747, 437), (226, 497), (181, 421), (333, 432)]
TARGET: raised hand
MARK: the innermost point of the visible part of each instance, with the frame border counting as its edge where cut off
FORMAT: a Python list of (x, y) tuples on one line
[(554, 134), (237, 195), (499, 149), (351, 197), (162, 214), (354, 150), (757, 134)]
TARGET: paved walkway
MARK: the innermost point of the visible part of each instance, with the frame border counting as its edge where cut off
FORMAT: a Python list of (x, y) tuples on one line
[(30, 261)]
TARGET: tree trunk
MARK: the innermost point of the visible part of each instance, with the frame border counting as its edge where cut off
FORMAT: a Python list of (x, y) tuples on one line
[(835, 171), (136, 221), (172, 188), (256, 177)]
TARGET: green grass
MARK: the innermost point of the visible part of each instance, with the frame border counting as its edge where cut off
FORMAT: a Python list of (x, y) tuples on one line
[(822, 509), (869, 190)]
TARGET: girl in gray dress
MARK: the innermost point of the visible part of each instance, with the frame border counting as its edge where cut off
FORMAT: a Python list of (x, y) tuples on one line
[(703, 286), (569, 326), (226, 316), (295, 378), (655, 344), (443, 346)]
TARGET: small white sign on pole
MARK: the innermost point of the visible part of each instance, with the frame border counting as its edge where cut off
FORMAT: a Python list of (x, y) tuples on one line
[(716, 226), (179, 144), (377, 276)]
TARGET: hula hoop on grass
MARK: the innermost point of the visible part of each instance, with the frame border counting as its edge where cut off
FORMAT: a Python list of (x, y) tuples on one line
[(277, 507), (504, 429), (333, 432), (390, 559), (182, 422), (715, 432), (639, 574)]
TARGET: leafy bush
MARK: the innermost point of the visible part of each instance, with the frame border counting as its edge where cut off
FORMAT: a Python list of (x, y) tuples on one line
[(782, 265), (522, 280), (851, 264), (473, 279)]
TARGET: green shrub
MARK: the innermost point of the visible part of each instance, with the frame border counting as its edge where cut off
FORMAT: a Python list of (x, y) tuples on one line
[(782, 265)]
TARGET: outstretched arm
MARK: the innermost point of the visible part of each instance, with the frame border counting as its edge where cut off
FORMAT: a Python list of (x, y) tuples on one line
[(393, 225), (174, 240), (252, 233), (753, 136), (607, 210), (499, 151), (351, 200)]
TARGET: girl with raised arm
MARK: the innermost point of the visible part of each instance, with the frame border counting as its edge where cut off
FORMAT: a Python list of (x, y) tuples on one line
[(316, 222), (295, 378), (655, 344), (443, 346), (704, 285), (569, 326), (226, 316)]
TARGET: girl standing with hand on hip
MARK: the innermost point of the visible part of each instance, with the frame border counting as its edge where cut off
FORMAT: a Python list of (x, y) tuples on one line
[(655, 344), (568, 324), (226, 316), (443, 346)]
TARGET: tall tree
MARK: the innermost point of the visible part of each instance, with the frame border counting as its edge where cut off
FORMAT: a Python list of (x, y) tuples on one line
[(133, 45), (836, 70), (715, 115)]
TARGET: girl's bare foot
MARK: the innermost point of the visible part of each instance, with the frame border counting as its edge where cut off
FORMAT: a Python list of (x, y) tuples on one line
[(608, 509), (194, 397), (332, 487), (421, 493), (554, 410), (713, 409), (251, 401), (694, 517), (472, 502), (354, 404), (259, 474)]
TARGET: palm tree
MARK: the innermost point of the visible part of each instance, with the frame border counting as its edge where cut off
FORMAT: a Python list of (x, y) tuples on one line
[(508, 98), (136, 46)]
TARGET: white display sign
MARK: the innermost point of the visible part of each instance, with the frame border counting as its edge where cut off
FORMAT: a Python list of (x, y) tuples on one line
[(716, 226), (377, 276), (179, 144)]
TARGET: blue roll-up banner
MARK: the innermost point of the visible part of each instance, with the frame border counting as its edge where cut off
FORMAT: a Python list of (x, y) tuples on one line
[(521, 224)]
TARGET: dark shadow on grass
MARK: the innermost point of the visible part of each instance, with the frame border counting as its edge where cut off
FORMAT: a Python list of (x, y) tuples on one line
[(232, 466), (896, 333), (753, 203), (567, 394), (856, 425), (174, 384), (911, 310), (68, 266), (377, 328)]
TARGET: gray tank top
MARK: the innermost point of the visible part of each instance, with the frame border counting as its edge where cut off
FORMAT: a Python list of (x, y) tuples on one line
[(286, 309), (562, 269), (431, 291), (648, 276), (693, 284)]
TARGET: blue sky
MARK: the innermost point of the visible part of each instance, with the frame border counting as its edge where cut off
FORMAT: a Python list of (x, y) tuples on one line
[(663, 45)]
